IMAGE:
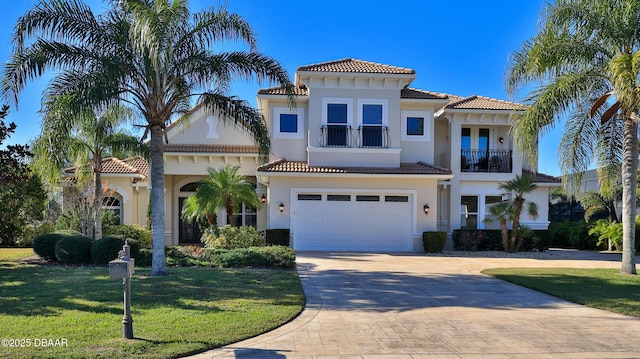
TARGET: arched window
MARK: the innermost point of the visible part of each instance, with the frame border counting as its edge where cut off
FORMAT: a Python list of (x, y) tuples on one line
[(189, 187), (113, 204)]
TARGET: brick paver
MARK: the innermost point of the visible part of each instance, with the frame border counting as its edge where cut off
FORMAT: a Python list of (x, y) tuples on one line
[(414, 306)]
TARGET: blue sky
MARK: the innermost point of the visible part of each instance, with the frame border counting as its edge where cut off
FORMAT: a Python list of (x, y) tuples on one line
[(459, 46)]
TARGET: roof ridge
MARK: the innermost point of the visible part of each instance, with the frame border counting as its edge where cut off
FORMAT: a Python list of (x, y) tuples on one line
[(125, 164), (311, 67)]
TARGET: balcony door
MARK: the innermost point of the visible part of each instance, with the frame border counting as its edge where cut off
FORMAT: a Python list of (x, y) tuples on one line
[(337, 125), (475, 149)]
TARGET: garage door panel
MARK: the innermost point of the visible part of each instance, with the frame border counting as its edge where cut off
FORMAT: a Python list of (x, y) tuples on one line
[(365, 225)]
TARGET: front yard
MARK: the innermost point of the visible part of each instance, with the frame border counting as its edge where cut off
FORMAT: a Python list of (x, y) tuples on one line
[(76, 312)]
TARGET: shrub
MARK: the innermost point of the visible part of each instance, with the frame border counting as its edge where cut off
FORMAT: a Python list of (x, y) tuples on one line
[(269, 257), (140, 234), (73, 249), (229, 237), (107, 248), (144, 258), (477, 240), (277, 237), (31, 231), (44, 245), (571, 235), (434, 242)]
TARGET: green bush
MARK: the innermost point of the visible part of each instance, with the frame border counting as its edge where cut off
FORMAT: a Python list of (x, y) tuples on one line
[(477, 240), (44, 245), (434, 242), (144, 258), (229, 237), (140, 234), (73, 250), (267, 257), (107, 248), (572, 235), (277, 237), (31, 231)]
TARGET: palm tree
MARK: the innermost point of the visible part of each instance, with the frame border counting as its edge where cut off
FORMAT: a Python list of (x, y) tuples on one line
[(516, 189), (502, 212), (223, 188), (82, 139), (585, 54), (153, 54)]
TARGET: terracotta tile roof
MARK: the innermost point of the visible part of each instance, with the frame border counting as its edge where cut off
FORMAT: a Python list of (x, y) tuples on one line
[(298, 91), (541, 177), (283, 166), (112, 165), (188, 148), (356, 66), (411, 93), (476, 102)]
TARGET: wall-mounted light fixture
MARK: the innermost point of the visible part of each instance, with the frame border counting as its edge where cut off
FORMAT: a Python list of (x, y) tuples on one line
[(426, 209), (281, 207), (263, 199), (501, 140)]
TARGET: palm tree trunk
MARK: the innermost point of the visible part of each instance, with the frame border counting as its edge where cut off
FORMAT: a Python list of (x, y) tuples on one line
[(505, 235), (515, 243), (230, 212), (158, 261), (629, 183), (97, 199)]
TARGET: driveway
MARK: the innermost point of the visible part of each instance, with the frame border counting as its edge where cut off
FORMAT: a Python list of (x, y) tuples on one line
[(416, 306)]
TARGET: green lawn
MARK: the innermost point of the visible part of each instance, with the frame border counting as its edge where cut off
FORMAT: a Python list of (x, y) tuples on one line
[(191, 310), (597, 288)]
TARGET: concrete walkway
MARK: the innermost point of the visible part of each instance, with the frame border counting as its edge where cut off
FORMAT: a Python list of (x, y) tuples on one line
[(415, 306)]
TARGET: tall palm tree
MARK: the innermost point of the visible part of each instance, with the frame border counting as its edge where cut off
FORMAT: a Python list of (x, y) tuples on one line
[(153, 54), (517, 188), (585, 54), (224, 188), (82, 139)]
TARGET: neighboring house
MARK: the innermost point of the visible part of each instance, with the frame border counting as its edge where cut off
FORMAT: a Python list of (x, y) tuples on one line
[(363, 163)]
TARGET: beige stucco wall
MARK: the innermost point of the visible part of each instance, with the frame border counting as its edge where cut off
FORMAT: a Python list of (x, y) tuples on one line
[(198, 131), (423, 191)]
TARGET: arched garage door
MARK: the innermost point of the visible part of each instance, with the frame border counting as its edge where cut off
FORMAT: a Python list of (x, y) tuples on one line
[(371, 222)]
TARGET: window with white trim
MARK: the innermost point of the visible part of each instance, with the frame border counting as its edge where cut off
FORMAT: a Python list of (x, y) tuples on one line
[(416, 125), (469, 212), (372, 122), (113, 204), (488, 202), (337, 119), (288, 123), (247, 216)]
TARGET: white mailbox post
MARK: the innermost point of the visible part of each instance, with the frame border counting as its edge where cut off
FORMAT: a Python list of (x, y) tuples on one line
[(124, 267)]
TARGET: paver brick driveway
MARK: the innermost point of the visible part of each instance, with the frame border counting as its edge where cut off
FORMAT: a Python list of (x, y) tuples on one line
[(414, 306)]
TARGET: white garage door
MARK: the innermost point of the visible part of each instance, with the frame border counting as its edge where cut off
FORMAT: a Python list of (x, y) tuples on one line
[(353, 222)]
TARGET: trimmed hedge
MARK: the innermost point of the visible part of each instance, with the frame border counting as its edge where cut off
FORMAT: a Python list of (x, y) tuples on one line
[(277, 237), (434, 242), (257, 257), (140, 234), (44, 245), (229, 237), (107, 248), (73, 250), (491, 240)]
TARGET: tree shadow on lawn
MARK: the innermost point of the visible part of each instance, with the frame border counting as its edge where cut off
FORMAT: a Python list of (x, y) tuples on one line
[(47, 290)]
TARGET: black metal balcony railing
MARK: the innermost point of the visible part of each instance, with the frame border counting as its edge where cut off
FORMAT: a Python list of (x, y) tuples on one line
[(364, 136), (336, 136), (373, 136), (497, 161)]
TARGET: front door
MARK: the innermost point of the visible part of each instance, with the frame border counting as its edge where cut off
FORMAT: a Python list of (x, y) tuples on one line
[(189, 230)]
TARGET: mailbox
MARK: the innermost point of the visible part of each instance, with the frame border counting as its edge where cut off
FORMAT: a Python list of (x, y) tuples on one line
[(121, 268)]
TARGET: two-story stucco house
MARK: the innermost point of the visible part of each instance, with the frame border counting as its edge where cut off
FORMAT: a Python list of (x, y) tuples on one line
[(363, 163)]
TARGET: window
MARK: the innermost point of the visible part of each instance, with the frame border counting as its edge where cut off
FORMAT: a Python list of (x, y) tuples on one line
[(488, 202), (416, 125), (469, 212), (339, 197), (372, 119), (309, 197), (113, 205), (336, 122), (465, 143), (287, 123), (365, 198), (396, 198), (246, 217)]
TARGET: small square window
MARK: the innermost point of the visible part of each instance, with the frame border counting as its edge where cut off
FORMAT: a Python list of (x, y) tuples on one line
[(415, 126), (372, 114), (288, 123), (337, 113)]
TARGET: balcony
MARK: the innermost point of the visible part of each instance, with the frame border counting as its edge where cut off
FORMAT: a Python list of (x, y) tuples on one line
[(492, 161), (343, 136)]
